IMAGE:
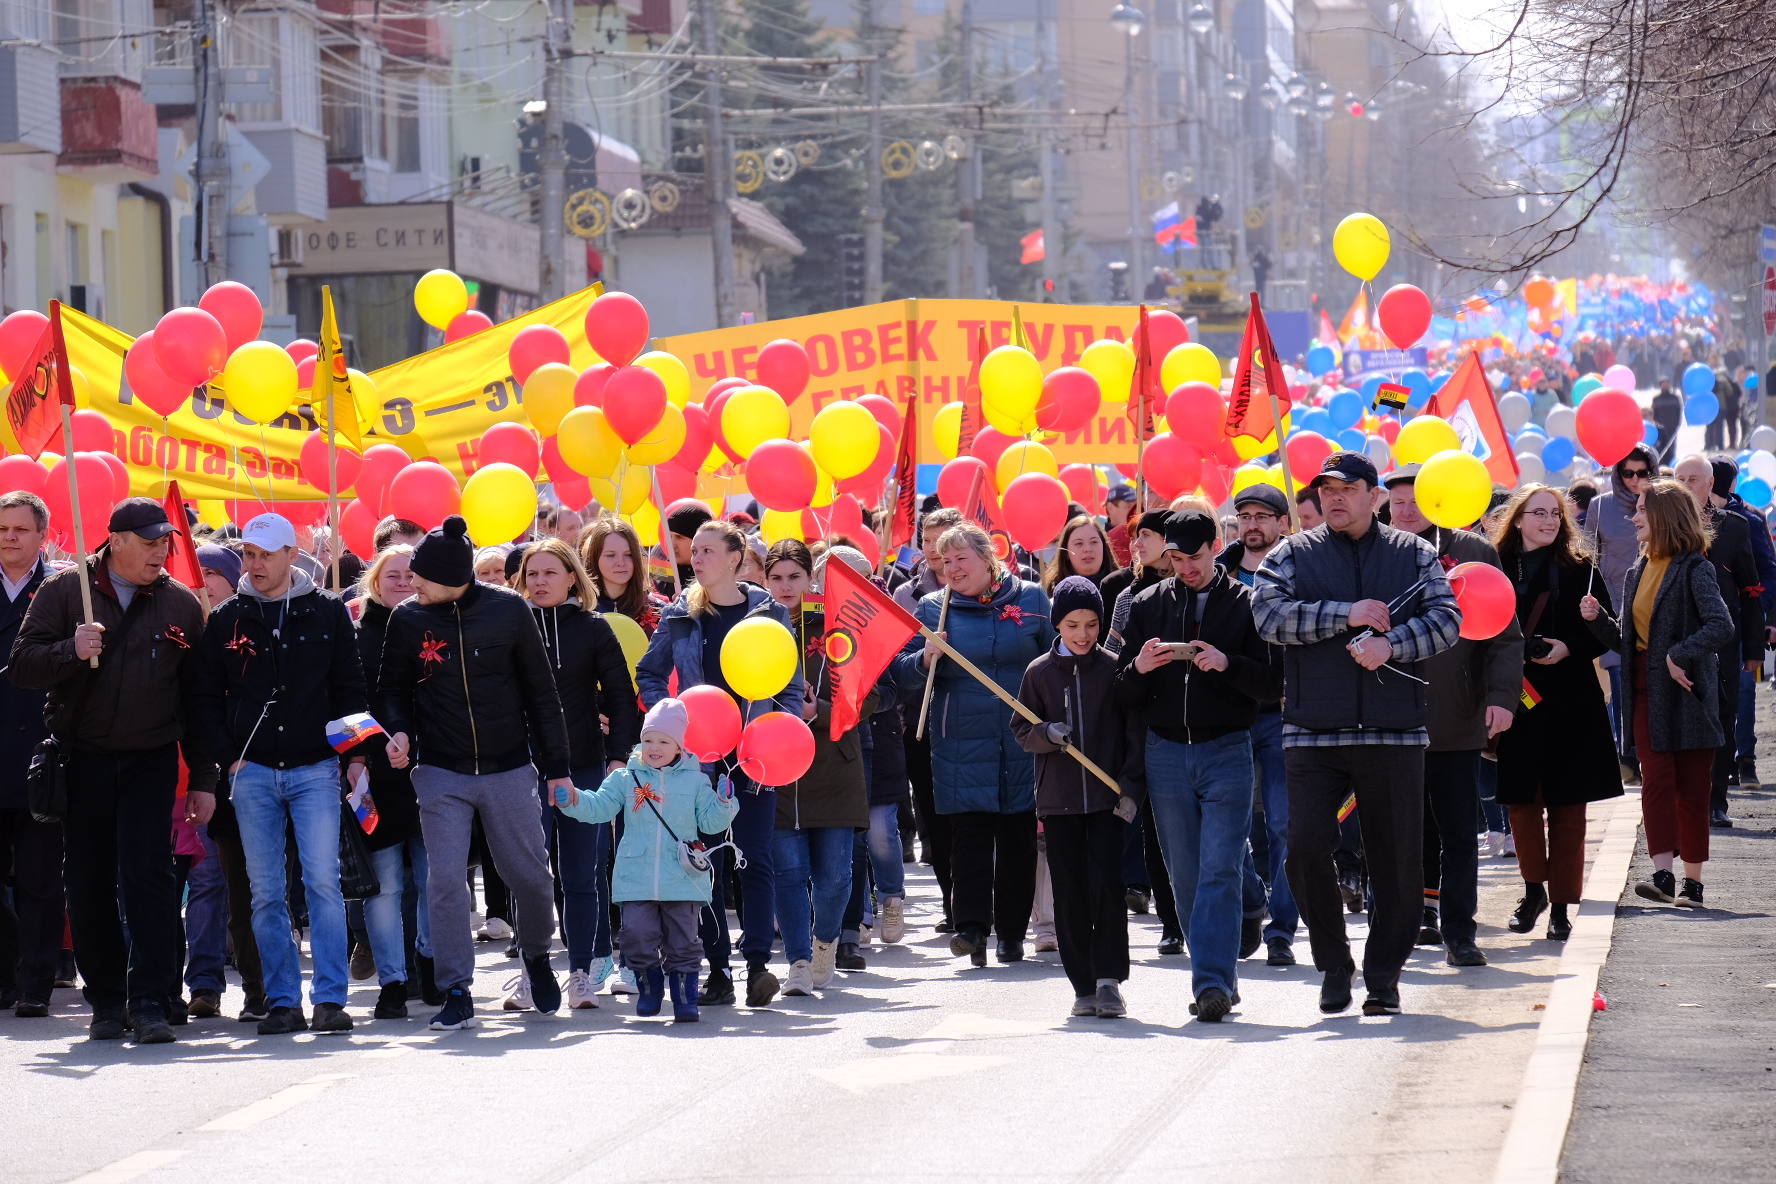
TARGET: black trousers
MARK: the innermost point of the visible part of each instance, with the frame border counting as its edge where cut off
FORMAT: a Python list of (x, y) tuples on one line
[(31, 929), (934, 828), (1726, 757), (993, 871), (1389, 783), (1091, 919), (1165, 905), (240, 914), (119, 862), (1451, 844)]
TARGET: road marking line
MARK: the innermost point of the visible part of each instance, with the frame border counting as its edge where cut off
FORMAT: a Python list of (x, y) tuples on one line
[(1544, 1107), (285, 1099), (139, 1164)]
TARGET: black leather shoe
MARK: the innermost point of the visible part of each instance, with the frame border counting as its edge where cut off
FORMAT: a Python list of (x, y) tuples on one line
[(1335, 989), (1170, 944), (1535, 899), (1430, 932), (1282, 952), (1464, 953), (944, 925), (1251, 935), (1009, 951), (1719, 820), (968, 943), (1382, 1001), (848, 958), (1137, 900), (106, 1026), (28, 1008), (1559, 926)]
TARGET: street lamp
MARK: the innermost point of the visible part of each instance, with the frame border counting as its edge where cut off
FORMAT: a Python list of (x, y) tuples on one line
[(1268, 97), (1200, 20), (1129, 21), (1324, 98), (1235, 88), (1297, 86), (1299, 105)]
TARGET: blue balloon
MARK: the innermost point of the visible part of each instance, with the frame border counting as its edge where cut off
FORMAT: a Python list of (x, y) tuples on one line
[(1353, 440), (1370, 388), (1320, 360), (1419, 384), (1439, 378), (1700, 409), (1346, 409), (1756, 491), (1316, 419), (1743, 459), (1651, 435), (1558, 453), (1751, 382), (1698, 379)]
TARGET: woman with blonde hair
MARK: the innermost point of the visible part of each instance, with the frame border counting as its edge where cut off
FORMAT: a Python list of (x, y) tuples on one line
[(1673, 631)]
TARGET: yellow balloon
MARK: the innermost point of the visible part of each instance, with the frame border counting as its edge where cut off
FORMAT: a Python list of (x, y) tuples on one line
[(1422, 438), (646, 521), (844, 438), (1011, 421), (1247, 476), (1190, 362), (549, 395), (365, 395), (672, 372), (1453, 488), (752, 415), (1247, 448), (758, 658), (626, 496), (1113, 364), (629, 636), (825, 490), (441, 297), (663, 442), (946, 430), (82, 388), (781, 524), (1025, 456), (260, 381), (499, 503), (212, 512), (1361, 244), (588, 444), (1010, 378)]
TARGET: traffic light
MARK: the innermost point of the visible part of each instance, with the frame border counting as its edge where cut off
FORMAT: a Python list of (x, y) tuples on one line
[(850, 270)]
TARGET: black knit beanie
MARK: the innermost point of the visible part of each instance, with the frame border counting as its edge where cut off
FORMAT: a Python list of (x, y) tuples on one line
[(1726, 474), (1073, 594), (445, 556), (687, 517), (1154, 520)]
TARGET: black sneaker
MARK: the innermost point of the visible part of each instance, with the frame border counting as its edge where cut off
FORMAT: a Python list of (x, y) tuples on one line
[(1211, 1005), (1194, 1006), (254, 1010), (1282, 952), (1560, 926), (392, 1003), (1691, 894), (1170, 944), (545, 991), (152, 1027), (1010, 951), (1529, 907), (1430, 932), (512, 948), (1108, 1003), (1662, 888), (107, 1025), (1251, 935), (1382, 1001), (331, 1017), (761, 986), (718, 989), (1335, 989), (1138, 901), (205, 1004), (459, 1011), (282, 1021), (29, 1008)]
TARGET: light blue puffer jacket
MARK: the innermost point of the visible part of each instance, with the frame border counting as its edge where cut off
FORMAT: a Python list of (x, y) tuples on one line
[(647, 865)]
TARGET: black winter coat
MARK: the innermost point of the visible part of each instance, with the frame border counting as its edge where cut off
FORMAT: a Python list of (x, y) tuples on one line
[(1077, 690), (1177, 700), (1735, 567), (390, 788), (592, 677), (1691, 626), (21, 708), (469, 681)]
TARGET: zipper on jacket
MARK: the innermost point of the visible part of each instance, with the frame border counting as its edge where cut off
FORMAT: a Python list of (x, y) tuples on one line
[(944, 723), (1078, 727), (1357, 563), (462, 664)]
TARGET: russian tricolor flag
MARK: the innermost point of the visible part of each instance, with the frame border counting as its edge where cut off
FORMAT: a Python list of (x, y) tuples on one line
[(352, 731), (1170, 226)]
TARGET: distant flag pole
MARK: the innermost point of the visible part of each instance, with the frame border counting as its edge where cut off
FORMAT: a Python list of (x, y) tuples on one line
[(329, 367), (1142, 381), (65, 396)]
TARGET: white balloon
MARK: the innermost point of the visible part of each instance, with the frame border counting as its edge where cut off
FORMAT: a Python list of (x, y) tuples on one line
[(1530, 469), (1763, 467), (1563, 421), (1762, 437), (1513, 410), (1380, 455)]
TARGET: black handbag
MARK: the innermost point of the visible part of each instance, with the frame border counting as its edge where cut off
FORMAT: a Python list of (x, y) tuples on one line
[(46, 781), (357, 871)]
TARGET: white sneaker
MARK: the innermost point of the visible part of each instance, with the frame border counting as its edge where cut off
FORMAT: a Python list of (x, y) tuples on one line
[(825, 954), (1510, 851), (581, 990), (800, 981), (624, 983), (864, 933), (1045, 943), (1493, 844), (518, 999), (893, 920), (494, 929)]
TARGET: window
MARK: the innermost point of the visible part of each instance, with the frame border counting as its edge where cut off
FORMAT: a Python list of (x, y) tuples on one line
[(351, 103), (253, 40), (403, 133), (76, 253), (45, 263)]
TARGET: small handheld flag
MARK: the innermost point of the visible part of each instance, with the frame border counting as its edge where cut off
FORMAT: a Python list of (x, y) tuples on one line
[(362, 804), (351, 731), (1392, 394)]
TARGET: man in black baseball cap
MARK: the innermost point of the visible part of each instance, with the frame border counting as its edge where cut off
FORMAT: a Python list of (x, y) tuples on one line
[(1119, 505), (143, 517)]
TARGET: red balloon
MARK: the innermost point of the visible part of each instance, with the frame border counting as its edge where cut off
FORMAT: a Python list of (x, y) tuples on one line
[(868, 484), (301, 349), (357, 526), (1404, 313), (1307, 451), (634, 401), (783, 365), (1166, 331), (1216, 481), (990, 444), (1070, 397), (720, 385), (782, 476), (301, 513), (97, 489), (512, 443), (92, 433), (1035, 510), (699, 438), (576, 494), (557, 470), (589, 389), (19, 472), (1389, 429), (713, 402), (1082, 483), (535, 345), (313, 462), (847, 516), (1171, 465), (147, 381), (886, 413), (1485, 596), (676, 484), (237, 309), (714, 726), (305, 373), (19, 334), (1197, 414), (424, 492), (1609, 424), (617, 327), (467, 324), (956, 478), (190, 346), (120, 477), (776, 748), (381, 463)]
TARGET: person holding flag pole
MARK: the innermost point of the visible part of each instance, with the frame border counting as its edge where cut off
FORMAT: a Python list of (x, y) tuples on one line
[(335, 379)]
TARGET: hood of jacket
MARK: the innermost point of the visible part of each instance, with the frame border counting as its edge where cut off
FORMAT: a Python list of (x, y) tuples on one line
[(301, 584)]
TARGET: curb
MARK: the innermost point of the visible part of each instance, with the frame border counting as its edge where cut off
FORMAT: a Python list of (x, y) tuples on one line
[(1544, 1106)]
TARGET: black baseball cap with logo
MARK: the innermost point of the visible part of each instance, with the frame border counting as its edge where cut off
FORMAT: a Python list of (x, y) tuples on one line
[(1347, 466), (141, 516)]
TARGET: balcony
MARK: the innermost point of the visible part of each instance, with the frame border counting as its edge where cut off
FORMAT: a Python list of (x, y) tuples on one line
[(29, 118), (109, 133)]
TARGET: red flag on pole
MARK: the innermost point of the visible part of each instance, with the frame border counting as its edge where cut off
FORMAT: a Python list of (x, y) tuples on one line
[(972, 421), (906, 470), (1257, 377), (864, 630), (181, 562), (1145, 393), (33, 409), (1467, 402), (981, 507)]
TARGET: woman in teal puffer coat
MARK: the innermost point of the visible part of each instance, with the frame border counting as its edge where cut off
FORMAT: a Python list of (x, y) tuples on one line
[(981, 778)]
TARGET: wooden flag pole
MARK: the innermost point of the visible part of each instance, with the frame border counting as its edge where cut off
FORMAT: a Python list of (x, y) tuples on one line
[(86, 596), (943, 618), (338, 544), (1283, 455), (665, 534)]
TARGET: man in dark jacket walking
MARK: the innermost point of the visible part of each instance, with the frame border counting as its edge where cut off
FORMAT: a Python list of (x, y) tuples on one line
[(1668, 416), (278, 661), (1195, 668), (1473, 693), (468, 696), (123, 726), (1358, 606)]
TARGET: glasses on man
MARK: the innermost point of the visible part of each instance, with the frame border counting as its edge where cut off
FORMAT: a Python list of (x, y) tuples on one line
[(1542, 515), (1256, 519)]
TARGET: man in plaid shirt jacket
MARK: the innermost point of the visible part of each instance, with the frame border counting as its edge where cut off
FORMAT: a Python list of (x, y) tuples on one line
[(1358, 606)]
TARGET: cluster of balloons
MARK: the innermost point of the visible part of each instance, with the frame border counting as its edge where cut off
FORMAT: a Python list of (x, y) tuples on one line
[(104, 481), (758, 658), (442, 300)]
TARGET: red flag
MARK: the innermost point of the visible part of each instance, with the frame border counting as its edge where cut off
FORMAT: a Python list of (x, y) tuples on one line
[(906, 467), (34, 408), (181, 562), (864, 630), (971, 399), (981, 507), (1248, 403), (1034, 251), (1467, 402), (1146, 392)]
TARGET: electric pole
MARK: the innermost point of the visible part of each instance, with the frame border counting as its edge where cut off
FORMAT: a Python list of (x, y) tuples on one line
[(873, 212), (211, 246), (965, 279), (718, 162), (552, 160)]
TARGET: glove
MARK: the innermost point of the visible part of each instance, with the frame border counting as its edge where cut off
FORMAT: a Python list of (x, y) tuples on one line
[(1057, 733), (724, 788), (1126, 809)]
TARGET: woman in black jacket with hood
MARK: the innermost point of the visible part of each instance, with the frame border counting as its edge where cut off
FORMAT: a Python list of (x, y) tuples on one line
[(592, 678)]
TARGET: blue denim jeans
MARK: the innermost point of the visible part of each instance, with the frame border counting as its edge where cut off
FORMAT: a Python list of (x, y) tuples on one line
[(1273, 789), (1202, 807), (754, 830), (206, 920), (886, 854), (308, 796), (383, 919), (582, 854), (818, 858)]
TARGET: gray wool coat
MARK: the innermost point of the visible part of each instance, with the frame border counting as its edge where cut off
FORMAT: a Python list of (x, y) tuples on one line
[(1691, 625)]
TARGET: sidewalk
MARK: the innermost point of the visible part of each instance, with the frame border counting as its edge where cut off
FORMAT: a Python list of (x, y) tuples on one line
[(1680, 1074)]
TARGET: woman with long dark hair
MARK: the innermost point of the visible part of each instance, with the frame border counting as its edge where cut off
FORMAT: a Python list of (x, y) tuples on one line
[(1084, 550), (616, 563)]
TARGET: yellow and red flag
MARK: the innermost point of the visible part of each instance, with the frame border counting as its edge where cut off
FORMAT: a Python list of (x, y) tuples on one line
[(1257, 380)]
